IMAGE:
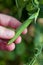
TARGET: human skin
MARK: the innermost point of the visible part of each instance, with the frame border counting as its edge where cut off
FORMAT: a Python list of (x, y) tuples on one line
[(6, 34)]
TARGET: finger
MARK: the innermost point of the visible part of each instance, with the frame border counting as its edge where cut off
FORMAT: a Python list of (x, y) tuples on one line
[(6, 20), (25, 31), (10, 47), (4, 46), (18, 40), (6, 33)]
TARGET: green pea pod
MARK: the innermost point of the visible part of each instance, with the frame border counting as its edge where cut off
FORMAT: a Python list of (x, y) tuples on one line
[(22, 27)]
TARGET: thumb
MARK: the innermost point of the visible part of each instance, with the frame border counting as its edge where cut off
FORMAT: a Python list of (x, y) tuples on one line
[(6, 33)]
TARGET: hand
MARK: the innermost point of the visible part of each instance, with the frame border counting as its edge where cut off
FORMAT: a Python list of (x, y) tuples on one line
[(6, 34)]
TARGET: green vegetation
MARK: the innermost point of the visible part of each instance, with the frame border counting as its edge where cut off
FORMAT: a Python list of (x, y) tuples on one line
[(30, 51)]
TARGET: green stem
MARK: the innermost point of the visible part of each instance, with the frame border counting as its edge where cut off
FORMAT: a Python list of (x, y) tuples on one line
[(36, 55), (22, 27)]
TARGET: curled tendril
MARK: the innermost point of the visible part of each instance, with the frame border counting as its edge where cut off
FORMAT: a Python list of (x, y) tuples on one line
[(35, 3), (39, 49)]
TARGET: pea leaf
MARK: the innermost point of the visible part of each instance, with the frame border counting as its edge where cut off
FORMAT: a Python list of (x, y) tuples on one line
[(21, 3), (20, 48)]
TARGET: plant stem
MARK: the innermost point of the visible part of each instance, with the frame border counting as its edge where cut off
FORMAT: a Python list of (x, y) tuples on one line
[(22, 27)]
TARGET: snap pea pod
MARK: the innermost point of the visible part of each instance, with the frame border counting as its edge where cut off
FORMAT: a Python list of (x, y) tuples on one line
[(22, 27)]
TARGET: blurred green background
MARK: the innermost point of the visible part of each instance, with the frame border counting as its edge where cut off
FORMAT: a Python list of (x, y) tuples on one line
[(24, 52)]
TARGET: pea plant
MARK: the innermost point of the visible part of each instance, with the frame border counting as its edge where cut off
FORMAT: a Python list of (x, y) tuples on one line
[(27, 22), (30, 13), (38, 45)]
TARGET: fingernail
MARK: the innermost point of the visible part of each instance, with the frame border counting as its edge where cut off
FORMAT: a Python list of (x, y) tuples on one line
[(11, 47), (10, 33), (18, 40), (25, 31)]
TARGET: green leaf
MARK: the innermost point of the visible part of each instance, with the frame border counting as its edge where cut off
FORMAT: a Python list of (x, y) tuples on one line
[(40, 59), (2, 7), (8, 3), (2, 62), (10, 55), (41, 1), (29, 7), (20, 48), (21, 3)]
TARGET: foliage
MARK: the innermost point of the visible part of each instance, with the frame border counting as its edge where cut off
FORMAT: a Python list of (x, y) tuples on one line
[(30, 51)]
